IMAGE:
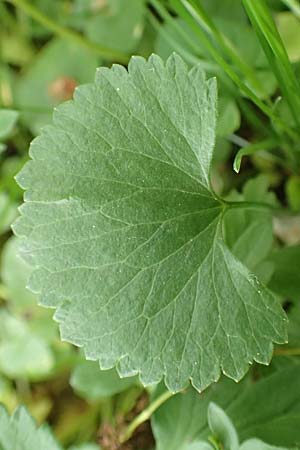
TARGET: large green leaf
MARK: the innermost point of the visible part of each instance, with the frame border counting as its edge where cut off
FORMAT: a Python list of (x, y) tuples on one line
[(268, 409), (125, 233), (20, 432)]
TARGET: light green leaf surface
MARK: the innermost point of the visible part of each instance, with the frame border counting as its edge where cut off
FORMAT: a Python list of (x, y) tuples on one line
[(51, 78), (8, 119), (126, 235), (23, 354), (15, 273), (115, 23), (19, 432), (221, 427), (95, 384), (201, 445), (256, 444), (36, 322)]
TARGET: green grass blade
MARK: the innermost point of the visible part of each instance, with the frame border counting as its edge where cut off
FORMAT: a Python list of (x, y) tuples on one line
[(293, 5), (189, 56), (227, 47), (276, 53), (187, 12)]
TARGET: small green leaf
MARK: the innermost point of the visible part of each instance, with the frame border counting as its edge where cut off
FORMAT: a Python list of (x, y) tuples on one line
[(285, 279), (222, 428), (249, 232), (20, 432), (294, 327), (229, 118), (94, 384), (256, 444), (292, 189), (124, 231), (8, 212), (8, 119)]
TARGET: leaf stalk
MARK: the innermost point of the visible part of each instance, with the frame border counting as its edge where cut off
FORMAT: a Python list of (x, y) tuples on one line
[(145, 415)]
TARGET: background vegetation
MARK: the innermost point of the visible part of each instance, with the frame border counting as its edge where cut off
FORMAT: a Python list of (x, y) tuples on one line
[(47, 48)]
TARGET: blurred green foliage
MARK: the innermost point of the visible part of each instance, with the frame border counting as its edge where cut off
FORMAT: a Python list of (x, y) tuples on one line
[(40, 66)]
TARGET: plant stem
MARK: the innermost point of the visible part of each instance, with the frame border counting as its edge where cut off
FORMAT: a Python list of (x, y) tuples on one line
[(250, 205), (145, 415), (64, 32)]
